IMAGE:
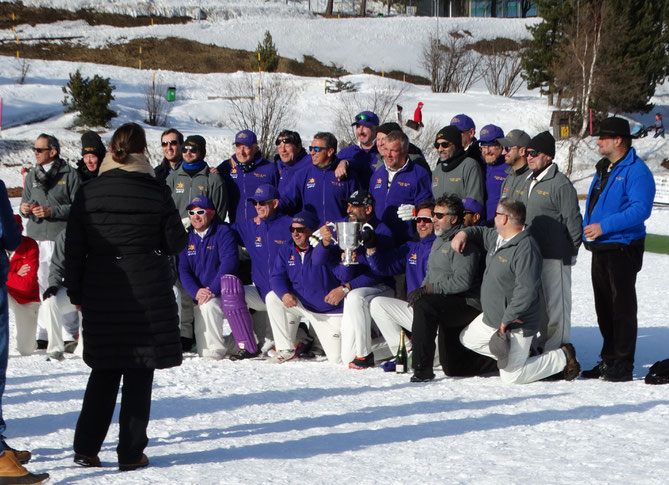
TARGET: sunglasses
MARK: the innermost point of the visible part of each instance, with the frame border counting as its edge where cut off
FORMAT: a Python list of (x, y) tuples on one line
[(261, 203), (300, 230), (508, 149), (40, 150), (442, 144), (440, 215), (199, 212), (532, 153), (287, 140), (317, 149), (423, 220), (501, 214), (189, 149), (363, 118), (172, 143)]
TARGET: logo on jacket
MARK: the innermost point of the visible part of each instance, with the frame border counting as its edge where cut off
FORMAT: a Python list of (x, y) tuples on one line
[(291, 260), (455, 179), (435, 182), (191, 250), (180, 188), (503, 260), (403, 184), (201, 188), (261, 175), (378, 183), (62, 182), (542, 192), (311, 183), (413, 259), (258, 241)]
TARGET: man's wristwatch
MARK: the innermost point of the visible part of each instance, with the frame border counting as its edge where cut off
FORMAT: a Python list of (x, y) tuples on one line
[(345, 289)]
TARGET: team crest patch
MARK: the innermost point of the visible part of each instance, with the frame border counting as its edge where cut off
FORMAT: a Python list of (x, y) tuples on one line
[(455, 179), (413, 259), (503, 260), (191, 250), (258, 241), (291, 260), (311, 183), (180, 188), (378, 183)]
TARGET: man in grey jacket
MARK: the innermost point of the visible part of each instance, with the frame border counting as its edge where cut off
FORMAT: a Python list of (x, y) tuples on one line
[(511, 300), (514, 146), (555, 221), (447, 300)]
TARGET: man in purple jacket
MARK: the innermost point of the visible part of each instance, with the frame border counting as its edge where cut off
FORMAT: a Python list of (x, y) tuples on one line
[(362, 157), (301, 281), (262, 237), (291, 157), (207, 267), (317, 188), (243, 173), (495, 167)]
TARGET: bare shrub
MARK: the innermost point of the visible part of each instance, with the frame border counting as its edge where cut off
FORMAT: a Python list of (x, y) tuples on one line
[(265, 114), (453, 66), (382, 100), (424, 139), (502, 73), (157, 107), (24, 69)]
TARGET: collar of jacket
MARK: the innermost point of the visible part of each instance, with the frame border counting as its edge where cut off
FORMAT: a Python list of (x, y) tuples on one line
[(453, 162), (249, 166), (448, 235), (603, 164)]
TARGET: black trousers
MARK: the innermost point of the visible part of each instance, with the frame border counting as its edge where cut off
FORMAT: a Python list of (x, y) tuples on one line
[(614, 283), (98, 409), (448, 314)]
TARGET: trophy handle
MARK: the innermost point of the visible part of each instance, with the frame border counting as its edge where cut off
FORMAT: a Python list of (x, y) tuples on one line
[(333, 226)]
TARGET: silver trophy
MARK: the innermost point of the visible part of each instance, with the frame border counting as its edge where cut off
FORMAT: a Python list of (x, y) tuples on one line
[(348, 238)]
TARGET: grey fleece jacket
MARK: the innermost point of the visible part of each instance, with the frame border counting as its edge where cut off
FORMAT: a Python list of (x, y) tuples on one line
[(453, 273), (515, 184), (184, 188), (57, 266), (465, 180), (59, 198), (511, 287), (554, 216)]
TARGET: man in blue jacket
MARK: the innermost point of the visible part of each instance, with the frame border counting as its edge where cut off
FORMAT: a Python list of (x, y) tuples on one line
[(207, 269), (495, 167), (317, 188), (291, 157), (243, 173), (302, 280), (263, 237), (620, 200), (361, 157)]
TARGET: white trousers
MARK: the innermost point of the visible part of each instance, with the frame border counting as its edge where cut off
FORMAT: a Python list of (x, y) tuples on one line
[(261, 325), (391, 315), (556, 284), (208, 327), (356, 322), (285, 322), (45, 255), (60, 317), (25, 316), (521, 368)]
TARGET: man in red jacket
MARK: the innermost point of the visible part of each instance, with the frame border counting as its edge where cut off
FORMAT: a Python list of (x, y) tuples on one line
[(23, 291)]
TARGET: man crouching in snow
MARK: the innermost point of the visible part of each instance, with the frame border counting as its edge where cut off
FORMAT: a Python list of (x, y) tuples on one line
[(511, 300)]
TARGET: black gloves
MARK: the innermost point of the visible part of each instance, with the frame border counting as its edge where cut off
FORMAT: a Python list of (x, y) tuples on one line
[(49, 292), (369, 238), (419, 293)]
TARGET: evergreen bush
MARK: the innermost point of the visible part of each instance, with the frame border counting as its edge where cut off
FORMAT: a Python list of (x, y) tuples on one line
[(90, 97)]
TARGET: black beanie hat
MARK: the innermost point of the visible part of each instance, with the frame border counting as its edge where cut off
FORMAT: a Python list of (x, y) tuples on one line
[(450, 133), (544, 143), (388, 127), (198, 142), (92, 143)]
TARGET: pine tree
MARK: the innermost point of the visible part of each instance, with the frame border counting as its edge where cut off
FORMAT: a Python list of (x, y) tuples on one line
[(90, 97), (266, 54)]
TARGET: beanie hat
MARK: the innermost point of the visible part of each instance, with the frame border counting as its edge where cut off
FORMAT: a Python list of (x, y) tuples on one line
[(544, 143), (92, 143), (386, 128), (450, 133), (198, 142)]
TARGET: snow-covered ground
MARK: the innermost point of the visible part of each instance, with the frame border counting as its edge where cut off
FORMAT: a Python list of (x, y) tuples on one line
[(312, 422)]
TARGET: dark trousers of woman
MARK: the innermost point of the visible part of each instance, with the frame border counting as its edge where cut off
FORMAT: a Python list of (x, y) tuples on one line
[(614, 283), (98, 409), (448, 314)]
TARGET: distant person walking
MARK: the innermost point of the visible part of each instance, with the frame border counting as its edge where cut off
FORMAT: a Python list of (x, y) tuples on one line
[(659, 126), (122, 227)]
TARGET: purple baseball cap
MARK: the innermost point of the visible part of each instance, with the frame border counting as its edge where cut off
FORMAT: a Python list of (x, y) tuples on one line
[(472, 205), (366, 118), (202, 202), (489, 135), (463, 122), (307, 218), (264, 192), (246, 137)]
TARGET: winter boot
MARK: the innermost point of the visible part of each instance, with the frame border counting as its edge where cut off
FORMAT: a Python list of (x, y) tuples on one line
[(23, 456), (12, 472)]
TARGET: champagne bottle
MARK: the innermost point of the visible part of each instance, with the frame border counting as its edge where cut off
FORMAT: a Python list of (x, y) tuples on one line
[(401, 360)]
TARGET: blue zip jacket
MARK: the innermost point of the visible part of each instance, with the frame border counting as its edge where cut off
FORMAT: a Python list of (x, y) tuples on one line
[(242, 185), (625, 203), (207, 258), (410, 258), (309, 280), (411, 185), (263, 241), (360, 161), (318, 190), (287, 172), (10, 235), (494, 178)]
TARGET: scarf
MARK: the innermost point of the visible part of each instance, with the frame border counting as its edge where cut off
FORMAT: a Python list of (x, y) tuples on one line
[(195, 166), (137, 162), (46, 180)]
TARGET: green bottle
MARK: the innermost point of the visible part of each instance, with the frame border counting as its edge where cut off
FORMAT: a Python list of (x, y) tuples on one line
[(402, 360)]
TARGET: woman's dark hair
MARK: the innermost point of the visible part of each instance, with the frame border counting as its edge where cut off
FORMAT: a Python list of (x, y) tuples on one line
[(128, 138)]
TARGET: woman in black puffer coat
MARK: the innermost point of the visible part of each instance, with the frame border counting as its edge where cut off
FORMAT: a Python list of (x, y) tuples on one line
[(122, 227)]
